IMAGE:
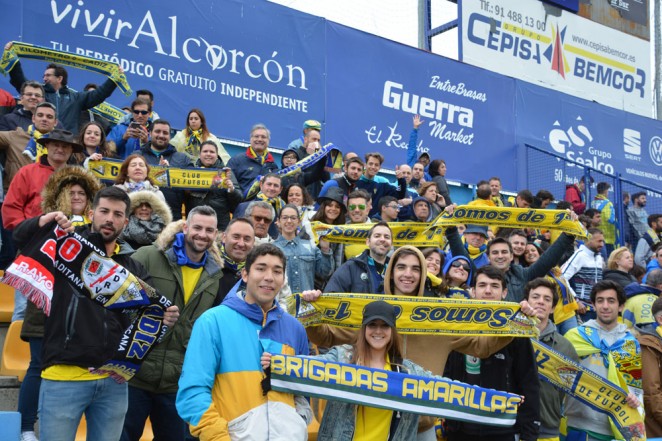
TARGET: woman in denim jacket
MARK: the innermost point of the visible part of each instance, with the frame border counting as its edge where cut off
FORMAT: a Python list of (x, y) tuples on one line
[(304, 261)]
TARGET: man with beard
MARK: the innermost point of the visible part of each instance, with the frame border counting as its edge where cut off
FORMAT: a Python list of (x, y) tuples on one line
[(237, 241), (81, 333), (637, 214), (365, 272), (159, 152), (353, 169), (185, 265), (584, 269)]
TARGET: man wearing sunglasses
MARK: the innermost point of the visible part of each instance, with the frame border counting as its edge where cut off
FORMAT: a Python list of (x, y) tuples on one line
[(133, 133)]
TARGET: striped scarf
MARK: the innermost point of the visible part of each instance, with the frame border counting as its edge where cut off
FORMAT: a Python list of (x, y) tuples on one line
[(276, 202), (193, 143), (34, 150), (651, 237), (228, 262), (264, 158)]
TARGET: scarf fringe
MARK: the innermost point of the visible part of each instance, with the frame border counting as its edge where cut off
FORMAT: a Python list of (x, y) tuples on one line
[(34, 295)]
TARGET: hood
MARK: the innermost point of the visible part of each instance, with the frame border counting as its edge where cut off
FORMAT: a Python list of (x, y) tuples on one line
[(283, 155), (53, 196), (217, 164), (413, 203), (165, 240), (235, 301), (447, 266), (634, 289), (648, 336), (572, 186), (389, 286), (549, 329), (618, 329), (159, 207)]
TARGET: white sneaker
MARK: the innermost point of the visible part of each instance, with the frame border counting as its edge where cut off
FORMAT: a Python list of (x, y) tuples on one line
[(29, 436)]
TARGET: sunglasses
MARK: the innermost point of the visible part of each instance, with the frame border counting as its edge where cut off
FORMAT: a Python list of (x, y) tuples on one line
[(355, 206), (458, 264), (262, 219), (141, 112)]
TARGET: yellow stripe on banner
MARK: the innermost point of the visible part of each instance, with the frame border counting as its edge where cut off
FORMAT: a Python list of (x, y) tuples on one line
[(600, 58), (512, 218), (418, 234), (590, 388), (419, 315), (112, 70), (525, 32), (186, 178)]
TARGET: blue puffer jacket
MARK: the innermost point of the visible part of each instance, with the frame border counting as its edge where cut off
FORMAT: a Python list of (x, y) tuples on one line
[(125, 147), (355, 276)]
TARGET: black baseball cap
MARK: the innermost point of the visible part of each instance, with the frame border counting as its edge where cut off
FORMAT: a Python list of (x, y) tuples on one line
[(379, 310)]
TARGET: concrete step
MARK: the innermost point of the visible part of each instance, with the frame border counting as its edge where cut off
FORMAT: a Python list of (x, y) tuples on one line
[(9, 387)]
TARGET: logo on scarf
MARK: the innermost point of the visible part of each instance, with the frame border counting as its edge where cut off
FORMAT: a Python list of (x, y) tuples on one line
[(568, 375)]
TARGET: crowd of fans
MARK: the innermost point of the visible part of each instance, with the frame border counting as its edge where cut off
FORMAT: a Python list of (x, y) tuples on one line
[(217, 256)]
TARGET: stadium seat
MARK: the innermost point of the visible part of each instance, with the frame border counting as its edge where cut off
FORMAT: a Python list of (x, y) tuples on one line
[(15, 353), (6, 303), (10, 425)]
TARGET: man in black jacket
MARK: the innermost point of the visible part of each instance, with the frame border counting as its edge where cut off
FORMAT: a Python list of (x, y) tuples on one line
[(80, 333), (511, 369)]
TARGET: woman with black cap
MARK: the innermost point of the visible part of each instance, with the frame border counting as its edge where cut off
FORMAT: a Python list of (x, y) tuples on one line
[(378, 346), (331, 211)]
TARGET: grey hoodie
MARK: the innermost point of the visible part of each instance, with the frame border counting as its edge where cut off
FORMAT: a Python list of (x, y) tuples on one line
[(580, 416)]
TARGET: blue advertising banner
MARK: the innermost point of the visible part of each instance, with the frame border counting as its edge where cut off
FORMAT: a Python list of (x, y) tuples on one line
[(375, 86), (601, 137), (571, 5), (232, 59)]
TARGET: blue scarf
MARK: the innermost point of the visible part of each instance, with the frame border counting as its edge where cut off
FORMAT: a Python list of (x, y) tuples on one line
[(180, 253)]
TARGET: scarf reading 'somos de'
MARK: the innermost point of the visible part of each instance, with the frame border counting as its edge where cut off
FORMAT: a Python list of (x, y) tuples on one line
[(55, 257)]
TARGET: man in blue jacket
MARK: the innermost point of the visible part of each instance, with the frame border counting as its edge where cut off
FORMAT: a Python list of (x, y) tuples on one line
[(256, 161), (133, 133), (68, 103)]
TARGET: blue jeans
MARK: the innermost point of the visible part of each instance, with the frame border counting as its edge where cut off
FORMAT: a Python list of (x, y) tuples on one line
[(62, 403), (28, 397), (166, 422), (567, 325), (20, 304)]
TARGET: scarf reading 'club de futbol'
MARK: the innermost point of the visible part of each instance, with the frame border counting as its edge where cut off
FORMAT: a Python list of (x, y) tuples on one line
[(392, 390), (418, 315), (591, 389), (55, 257)]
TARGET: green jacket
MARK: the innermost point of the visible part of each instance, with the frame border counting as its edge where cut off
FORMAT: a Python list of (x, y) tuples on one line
[(161, 369)]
